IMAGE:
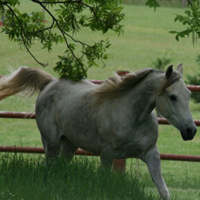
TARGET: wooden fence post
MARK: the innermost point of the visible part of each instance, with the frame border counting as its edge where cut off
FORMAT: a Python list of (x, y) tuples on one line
[(119, 165)]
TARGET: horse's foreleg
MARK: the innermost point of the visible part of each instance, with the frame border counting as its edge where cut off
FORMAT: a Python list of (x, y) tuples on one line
[(152, 159), (107, 158)]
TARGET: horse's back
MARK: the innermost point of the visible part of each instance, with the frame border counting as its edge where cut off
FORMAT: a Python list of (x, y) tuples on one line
[(64, 94)]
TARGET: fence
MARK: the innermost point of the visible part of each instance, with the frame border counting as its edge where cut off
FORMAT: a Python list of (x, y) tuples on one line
[(118, 164)]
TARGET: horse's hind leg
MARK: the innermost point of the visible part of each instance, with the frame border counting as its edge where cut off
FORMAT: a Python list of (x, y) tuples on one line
[(50, 136), (55, 143)]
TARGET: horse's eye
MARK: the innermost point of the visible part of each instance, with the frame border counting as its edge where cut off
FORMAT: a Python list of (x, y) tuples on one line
[(172, 97)]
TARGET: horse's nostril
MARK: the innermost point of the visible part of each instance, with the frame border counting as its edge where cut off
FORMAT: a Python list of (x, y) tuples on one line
[(189, 132)]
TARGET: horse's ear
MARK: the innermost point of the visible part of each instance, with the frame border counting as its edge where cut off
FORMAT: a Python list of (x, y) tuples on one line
[(169, 72), (180, 68)]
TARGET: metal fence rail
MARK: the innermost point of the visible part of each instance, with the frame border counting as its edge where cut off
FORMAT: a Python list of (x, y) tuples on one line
[(27, 115), (40, 150)]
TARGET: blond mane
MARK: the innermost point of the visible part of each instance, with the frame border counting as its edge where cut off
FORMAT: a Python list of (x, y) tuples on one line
[(118, 86)]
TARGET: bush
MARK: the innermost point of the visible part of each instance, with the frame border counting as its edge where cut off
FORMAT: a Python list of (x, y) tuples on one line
[(194, 80)]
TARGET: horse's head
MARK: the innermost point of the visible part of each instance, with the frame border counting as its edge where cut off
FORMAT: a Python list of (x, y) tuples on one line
[(173, 103)]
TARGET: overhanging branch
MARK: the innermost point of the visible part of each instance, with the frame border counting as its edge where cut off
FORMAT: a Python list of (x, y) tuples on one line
[(62, 32), (22, 33)]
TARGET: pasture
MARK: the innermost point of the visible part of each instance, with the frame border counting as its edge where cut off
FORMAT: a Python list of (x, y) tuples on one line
[(145, 38)]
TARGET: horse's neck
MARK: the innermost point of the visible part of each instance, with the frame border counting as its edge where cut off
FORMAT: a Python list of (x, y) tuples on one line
[(144, 98)]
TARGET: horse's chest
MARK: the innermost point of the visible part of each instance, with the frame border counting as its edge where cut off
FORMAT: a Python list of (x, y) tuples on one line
[(133, 147)]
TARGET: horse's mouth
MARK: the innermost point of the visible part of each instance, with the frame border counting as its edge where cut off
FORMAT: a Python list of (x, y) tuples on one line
[(188, 134)]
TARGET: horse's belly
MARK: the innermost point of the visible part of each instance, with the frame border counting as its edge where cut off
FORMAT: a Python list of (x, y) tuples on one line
[(86, 140), (90, 146), (128, 151)]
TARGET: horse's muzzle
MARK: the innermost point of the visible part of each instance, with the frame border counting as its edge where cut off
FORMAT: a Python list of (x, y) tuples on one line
[(189, 133)]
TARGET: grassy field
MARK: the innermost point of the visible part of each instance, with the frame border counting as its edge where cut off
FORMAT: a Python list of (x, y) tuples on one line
[(82, 180), (146, 37)]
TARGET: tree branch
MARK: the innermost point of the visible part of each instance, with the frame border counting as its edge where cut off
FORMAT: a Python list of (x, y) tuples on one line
[(68, 2), (22, 35), (63, 2), (62, 32)]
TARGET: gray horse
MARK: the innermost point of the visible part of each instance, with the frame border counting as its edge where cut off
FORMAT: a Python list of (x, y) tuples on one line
[(114, 119)]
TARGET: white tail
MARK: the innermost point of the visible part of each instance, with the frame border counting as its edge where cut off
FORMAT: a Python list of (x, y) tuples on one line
[(25, 79)]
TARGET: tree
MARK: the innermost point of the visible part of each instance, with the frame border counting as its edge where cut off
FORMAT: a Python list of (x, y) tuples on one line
[(70, 16), (190, 19), (73, 15)]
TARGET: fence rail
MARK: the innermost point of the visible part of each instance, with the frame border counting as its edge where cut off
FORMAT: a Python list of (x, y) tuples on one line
[(27, 115), (40, 150)]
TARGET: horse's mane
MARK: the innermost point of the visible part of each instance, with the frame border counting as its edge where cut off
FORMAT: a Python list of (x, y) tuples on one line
[(117, 86)]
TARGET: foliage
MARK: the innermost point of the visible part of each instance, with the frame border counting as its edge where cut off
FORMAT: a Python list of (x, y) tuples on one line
[(153, 4), (168, 3), (161, 62), (191, 19), (195, 80), (71, 16)]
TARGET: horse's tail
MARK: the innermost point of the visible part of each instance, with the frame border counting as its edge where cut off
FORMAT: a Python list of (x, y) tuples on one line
[(29, 80)]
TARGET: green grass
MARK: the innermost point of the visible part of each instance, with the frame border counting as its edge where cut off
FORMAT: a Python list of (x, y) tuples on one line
[(30, 178), (146, 37)]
